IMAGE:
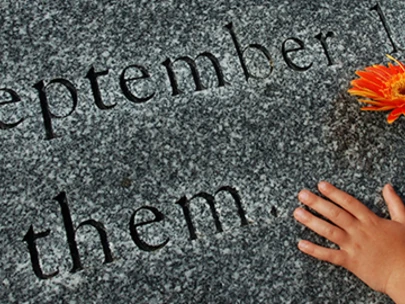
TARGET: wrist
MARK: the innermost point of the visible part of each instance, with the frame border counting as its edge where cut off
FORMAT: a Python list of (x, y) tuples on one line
[(395, 287)]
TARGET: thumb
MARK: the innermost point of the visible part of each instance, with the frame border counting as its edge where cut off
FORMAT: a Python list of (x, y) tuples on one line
[(395, 205)]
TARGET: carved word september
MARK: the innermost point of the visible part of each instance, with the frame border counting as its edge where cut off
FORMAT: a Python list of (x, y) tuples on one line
[(125, 82)]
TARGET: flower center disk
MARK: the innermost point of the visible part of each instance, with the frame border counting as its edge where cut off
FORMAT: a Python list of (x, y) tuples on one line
[(398, 86)]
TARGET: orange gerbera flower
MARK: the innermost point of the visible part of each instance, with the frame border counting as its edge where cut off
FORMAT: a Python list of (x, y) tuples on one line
[(383, 87)]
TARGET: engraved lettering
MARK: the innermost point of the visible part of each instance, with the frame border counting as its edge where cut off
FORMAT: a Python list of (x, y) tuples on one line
[(71, 234), (387, 28), (288, 60), (184, 203), (30, 237), (194, 71), (92, 75), (14, 99), (61, 198), (134, 233), (125, 89), (241, 51), (46, 113), (322, 39)]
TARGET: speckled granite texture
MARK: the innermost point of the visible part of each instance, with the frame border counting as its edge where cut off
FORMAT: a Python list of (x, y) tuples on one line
[(267, 138)]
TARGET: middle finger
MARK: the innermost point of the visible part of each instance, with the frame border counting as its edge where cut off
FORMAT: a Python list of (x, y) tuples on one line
[(337, 215)]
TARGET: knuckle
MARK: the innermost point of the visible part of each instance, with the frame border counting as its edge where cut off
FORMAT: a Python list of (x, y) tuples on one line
[(329, 232), (335, 212), (333, 234), (337, 259), (347, 200), (328, 257), (372, 220)]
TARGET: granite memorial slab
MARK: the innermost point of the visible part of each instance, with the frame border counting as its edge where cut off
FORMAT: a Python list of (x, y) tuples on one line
[(152, 151)]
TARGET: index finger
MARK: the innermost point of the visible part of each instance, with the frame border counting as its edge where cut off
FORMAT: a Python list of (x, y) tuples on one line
[(346, 201)]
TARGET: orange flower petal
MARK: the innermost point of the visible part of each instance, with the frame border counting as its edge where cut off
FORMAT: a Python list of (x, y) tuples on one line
[(371, 86), (386, 108), (397, 112), (382, 88), (372, 102), (371, 77), (378, 73), (385, 71), (363, 93), (391, 118)]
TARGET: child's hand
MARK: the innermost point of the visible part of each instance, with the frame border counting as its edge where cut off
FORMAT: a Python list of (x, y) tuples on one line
[(371, 247)]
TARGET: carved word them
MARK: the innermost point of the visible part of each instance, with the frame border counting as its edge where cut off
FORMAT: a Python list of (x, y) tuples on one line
[(31, 236)]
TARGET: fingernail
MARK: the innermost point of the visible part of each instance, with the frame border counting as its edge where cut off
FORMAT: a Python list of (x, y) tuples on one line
[(303, 244), (300, 213), (389, 187), (323, 185), (303, 195)]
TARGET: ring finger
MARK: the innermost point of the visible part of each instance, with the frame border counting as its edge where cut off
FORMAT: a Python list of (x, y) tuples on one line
[(321, 227), (336, 214)]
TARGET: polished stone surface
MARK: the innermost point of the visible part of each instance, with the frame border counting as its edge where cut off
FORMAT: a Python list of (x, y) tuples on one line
[(266, 137)]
